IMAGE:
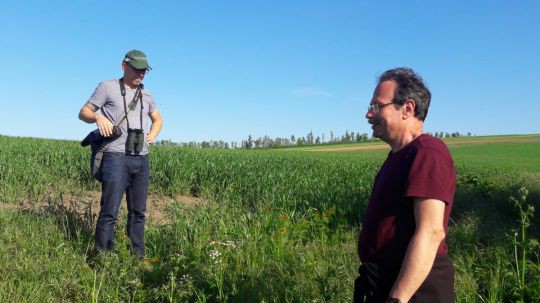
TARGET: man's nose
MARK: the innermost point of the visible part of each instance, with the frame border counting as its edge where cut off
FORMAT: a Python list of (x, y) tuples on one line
[(369, 114)]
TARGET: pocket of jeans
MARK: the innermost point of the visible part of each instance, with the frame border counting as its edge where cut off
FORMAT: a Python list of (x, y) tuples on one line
[(111, 163)]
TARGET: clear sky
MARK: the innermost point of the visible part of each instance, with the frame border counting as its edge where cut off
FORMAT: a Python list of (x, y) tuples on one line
[(225, 69)]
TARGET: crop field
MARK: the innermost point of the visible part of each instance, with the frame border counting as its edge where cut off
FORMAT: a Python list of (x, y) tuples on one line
[(253, 225)]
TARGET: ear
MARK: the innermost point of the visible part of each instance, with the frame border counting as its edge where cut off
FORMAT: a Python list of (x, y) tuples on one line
[(409, 108), (124, 66)]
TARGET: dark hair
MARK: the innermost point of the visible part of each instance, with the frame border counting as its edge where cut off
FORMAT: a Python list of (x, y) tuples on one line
[(409, 86)]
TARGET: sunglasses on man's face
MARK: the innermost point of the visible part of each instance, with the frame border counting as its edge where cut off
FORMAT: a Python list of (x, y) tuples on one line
[(139, 71)]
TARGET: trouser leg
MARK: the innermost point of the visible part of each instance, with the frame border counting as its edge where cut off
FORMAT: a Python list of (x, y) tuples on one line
[(114, 182), (136, 196)]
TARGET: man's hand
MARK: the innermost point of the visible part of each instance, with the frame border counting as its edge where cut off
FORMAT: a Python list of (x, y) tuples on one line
[(150, 139), (105, 126), (89, 114)]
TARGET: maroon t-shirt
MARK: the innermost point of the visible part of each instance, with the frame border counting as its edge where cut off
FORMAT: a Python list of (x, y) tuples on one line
[(424, 169)]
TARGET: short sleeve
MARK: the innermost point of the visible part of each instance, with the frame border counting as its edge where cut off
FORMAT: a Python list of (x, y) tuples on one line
[(150, 100), (432, 175), (99, 96)]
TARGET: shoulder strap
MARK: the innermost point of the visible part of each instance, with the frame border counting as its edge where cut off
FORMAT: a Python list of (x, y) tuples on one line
[(122, 87), (133, 102)]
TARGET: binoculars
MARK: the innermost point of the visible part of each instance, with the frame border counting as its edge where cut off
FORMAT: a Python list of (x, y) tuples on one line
[(135, 141)]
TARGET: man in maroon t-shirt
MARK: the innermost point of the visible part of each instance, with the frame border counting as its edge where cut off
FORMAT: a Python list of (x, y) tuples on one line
[(401, 244)]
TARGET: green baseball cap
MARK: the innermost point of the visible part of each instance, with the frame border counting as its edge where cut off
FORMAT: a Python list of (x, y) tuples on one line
[(137, 59)]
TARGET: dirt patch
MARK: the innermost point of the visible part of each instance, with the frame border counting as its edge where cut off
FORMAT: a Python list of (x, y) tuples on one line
[(492, 140), (351, 148), (465, 141), (156, 206), (9, 206), (86, 205)]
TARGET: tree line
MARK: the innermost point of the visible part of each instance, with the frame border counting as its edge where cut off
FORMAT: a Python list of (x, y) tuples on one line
[(293, 141)]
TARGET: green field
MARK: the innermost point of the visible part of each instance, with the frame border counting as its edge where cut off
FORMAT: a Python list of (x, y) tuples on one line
[(274, 225)]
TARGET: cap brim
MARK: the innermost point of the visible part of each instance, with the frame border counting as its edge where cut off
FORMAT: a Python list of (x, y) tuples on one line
[(139, 65)]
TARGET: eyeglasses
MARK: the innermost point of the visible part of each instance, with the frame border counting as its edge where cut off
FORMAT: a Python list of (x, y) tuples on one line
[(377, 106), (139, 71)]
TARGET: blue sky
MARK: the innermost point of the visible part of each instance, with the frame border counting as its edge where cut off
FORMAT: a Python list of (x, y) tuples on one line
[(225, 69)]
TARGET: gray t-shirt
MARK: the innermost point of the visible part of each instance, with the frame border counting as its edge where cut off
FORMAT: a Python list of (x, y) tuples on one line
[(108, 98)]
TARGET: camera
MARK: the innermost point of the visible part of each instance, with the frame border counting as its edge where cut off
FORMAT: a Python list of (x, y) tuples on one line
[(135, 141)]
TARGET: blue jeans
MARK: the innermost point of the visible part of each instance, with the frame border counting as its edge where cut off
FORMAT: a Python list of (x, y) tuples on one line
[(123, 173)]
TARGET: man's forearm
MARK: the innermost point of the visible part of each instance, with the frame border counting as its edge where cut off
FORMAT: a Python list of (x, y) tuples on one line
[(157, 123), (155, 128), (88, 113)]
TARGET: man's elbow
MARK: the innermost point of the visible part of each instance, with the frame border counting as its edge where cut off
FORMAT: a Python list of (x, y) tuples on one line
[(82, 116), (437, 235), (156, 120), (431, 235)]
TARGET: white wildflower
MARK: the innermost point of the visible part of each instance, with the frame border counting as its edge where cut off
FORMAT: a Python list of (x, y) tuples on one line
[(186, 279)]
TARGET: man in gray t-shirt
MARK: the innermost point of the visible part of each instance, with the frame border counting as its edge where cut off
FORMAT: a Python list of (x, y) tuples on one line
[(125, 166)]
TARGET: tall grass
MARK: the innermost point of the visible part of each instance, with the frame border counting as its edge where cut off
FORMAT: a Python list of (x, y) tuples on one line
[(31, 169), (211, 253), (278, 227)]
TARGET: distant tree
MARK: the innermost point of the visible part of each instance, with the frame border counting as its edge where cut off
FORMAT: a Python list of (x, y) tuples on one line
[(331, 136), (309, 138), (248, 143), (267, 142), (318, 140), (287, 142)]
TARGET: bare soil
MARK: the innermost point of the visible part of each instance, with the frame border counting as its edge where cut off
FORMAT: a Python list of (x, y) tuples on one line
[(86, 206)]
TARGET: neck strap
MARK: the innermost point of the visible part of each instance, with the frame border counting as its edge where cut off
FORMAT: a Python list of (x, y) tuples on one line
[(133, 103)]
